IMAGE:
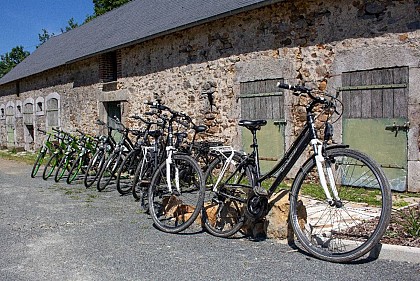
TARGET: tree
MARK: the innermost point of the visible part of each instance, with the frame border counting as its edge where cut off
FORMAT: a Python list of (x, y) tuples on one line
[(103, 6), (44, 37), (11, 59), (70, 25)]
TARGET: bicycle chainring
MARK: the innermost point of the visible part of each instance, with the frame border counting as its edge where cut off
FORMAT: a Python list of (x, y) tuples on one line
[(256, 207)]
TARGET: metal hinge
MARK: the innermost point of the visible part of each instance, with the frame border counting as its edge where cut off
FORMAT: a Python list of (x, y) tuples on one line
[(396, 128)]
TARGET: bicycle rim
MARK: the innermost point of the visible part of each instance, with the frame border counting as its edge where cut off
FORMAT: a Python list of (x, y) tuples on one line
[(174, 211), (349, 229)]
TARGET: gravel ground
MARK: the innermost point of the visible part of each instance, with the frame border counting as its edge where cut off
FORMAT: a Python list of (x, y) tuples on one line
[(55, 231)]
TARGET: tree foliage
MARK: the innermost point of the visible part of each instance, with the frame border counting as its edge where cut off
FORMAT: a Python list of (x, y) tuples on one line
[(103, 6), (11, 59)]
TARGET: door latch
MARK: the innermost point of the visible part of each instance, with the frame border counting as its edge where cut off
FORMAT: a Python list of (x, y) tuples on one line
[(396, 128)]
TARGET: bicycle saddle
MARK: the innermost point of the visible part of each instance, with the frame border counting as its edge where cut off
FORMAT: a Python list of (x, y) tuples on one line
[(200, 128), (252, 124)]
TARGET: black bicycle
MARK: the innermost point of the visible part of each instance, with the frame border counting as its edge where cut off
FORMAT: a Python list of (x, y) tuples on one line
[(335, 194)]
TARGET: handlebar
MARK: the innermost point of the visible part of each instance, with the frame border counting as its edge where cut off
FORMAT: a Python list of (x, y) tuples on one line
[(296, 88)]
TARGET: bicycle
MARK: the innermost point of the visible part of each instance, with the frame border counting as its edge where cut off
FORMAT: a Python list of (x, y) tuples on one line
[(104, 147), (56, 156), (327, 204), (129, 171), (117, 156), (86, 146), (176, 191), (47, 147), (68, 158)]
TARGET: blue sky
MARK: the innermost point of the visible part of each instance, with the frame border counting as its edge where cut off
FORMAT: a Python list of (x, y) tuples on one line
[(22, 20)]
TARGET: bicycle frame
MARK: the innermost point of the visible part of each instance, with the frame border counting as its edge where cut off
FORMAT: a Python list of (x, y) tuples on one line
[(308, 136)]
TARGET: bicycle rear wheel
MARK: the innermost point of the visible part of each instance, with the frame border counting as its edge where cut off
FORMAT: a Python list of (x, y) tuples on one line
[(142, 179), (348, 228), (175, 209), (224, 209)]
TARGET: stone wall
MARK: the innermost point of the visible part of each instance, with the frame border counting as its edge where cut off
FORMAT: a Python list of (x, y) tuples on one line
[(310, 42)]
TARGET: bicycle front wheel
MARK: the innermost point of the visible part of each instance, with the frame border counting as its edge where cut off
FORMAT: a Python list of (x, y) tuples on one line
[(107, 174), (126, 172), (38, 163), (50, 166), (176, 196), (346, 228), (75, 169), (94, 168)]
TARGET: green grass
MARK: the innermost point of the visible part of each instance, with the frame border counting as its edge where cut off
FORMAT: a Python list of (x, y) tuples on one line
[(26, 157)]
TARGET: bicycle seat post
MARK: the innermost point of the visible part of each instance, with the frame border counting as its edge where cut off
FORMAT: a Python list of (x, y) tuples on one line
[(254, 147)]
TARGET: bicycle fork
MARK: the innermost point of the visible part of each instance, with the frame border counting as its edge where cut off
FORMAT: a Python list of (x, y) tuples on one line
[(319, 160), (169, 161)]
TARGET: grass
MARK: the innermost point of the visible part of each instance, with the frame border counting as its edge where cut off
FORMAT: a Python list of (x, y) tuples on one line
[(26, 157)]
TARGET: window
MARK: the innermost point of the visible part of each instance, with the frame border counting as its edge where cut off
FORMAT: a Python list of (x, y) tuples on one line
[(39, 104), (28, 121), (19, 109), (28, 113), (261, 99), (2, 112), (110, 66), (53, 110), (377, 93)]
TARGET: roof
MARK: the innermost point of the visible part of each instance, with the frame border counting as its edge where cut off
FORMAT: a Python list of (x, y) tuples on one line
[(132, 23)]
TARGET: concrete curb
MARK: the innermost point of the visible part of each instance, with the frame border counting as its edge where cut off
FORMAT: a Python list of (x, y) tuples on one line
[(389, 252), (400, 253)]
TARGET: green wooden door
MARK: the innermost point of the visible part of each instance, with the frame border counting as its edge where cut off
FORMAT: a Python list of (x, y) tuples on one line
[(262, 100), (375, 118)]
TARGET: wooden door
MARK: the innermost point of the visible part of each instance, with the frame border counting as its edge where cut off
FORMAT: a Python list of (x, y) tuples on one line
[(262, 100), (375, 118)]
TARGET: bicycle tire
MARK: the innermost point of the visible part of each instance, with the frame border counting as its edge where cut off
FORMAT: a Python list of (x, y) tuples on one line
[(75, 169), (175, 211), (94, 168), (38, 163), (142, 179), (223, 215), (108, 171), (50, 166), (126, 172), (63, 166), (337, 233)]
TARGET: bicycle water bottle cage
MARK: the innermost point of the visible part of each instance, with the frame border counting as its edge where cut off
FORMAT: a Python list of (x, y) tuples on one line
[(252, 125)]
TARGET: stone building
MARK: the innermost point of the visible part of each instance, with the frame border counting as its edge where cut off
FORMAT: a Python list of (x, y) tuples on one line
[(186, 50)]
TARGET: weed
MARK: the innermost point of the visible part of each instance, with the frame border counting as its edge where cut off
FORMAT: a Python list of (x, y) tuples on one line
[(411, 221)]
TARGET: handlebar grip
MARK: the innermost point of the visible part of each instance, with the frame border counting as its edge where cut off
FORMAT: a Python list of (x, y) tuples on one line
[(284, 86), (294, 88)]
